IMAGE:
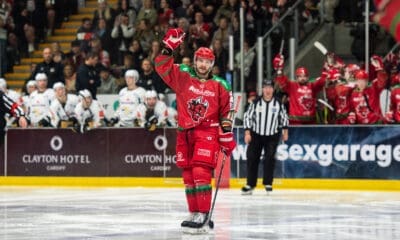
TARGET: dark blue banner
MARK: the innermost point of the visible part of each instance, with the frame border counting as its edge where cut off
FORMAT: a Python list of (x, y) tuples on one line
[(365, 152)]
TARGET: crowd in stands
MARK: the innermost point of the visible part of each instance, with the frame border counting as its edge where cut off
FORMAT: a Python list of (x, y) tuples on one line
[(114, 51)]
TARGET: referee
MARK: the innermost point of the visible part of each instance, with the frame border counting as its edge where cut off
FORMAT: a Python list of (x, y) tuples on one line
[(264, 120)]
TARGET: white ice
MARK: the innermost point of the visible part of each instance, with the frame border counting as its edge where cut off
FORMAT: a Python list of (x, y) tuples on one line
[(155, 213)]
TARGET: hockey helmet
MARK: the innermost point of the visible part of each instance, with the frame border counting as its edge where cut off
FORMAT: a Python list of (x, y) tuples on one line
[(150, 94), (205, 53), (361, 75), (132, 73), (301, 71), (85, 93), (334, 74), (395, 79), (41, 76), (58, 85), (351, 68)]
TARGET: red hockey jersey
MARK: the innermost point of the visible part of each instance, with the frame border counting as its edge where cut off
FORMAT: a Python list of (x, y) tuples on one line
[(339, 96), (395, 103), (365, 103), (199, 101), (302, 98)]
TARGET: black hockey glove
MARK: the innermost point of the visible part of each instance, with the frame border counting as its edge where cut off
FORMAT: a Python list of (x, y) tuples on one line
[(151, 123), (44, 122)]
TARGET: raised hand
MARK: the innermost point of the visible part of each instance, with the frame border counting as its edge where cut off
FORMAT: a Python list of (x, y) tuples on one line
[(173, 38), (377, 62)]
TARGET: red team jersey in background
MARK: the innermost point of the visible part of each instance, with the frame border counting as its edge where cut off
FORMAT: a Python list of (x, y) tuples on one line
[(395, 102), (302, 98), (339, 96), (365, 103)]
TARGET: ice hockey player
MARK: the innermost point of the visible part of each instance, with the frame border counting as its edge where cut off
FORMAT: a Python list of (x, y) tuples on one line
[(129, 99), (88, 112), (153, 112), (39, 103), (204, 123), (63, 107)]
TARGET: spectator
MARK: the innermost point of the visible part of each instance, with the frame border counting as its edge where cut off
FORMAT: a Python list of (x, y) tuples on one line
[(124, 8), (122, 33), (144, 34), (24, 28), (84, 34), (184, 24), (104, 34), (58, 54), (207, 7), (152, 113), (75, 56), (13, 52), (87, 77), (149, 79), (199, 29), (137, 53), (148, 13), (154, 50), (223, 31), (187, 61), (63, 107), (70, 78), (248, 62), (104, 11), (226, 9), (53, 70), (104, 56), (129, 98), (50, 16), (182, 52), (108, 82), (39, 103), (89, 113), (5, 11), (165, 15), (221, 56)]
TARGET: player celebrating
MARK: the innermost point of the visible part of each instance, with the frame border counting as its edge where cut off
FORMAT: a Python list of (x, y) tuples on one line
[(364, 99), (204, 123), (302, 93)]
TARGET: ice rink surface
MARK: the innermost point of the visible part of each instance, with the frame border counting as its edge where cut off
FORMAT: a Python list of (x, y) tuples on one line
[(155, 213)]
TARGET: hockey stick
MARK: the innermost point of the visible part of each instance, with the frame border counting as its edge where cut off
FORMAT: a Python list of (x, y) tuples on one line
[(323, 102), (320, 47), (210, 222)]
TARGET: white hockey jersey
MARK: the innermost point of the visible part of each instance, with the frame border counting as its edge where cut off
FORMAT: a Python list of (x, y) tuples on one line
[(63, 112), (129, 100), (39, 105), (94, 113), (160, 111)]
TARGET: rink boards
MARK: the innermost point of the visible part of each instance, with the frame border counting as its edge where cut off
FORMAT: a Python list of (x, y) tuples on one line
[(318, 157)]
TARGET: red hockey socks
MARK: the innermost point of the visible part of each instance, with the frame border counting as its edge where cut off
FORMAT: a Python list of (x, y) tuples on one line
[(203, 189), (190, 190)]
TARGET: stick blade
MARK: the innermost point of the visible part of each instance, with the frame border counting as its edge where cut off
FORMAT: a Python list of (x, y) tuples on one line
[(320, 47)]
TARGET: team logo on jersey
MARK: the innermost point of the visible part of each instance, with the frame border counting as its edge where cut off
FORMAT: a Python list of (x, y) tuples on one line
[(306, 102), (197, 108)]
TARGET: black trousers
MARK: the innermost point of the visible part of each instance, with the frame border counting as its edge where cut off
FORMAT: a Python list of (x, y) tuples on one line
[(257, 144)]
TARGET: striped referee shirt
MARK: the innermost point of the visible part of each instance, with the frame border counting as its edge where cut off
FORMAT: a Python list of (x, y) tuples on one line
[(266, 118), (9, 106)]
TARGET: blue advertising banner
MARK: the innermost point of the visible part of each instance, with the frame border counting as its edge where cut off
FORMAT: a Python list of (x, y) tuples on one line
[(365, 152)]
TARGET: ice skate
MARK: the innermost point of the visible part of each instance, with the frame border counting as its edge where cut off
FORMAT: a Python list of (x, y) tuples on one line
[(189, 219), (199, 225), (247, 190), (268, 188)]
